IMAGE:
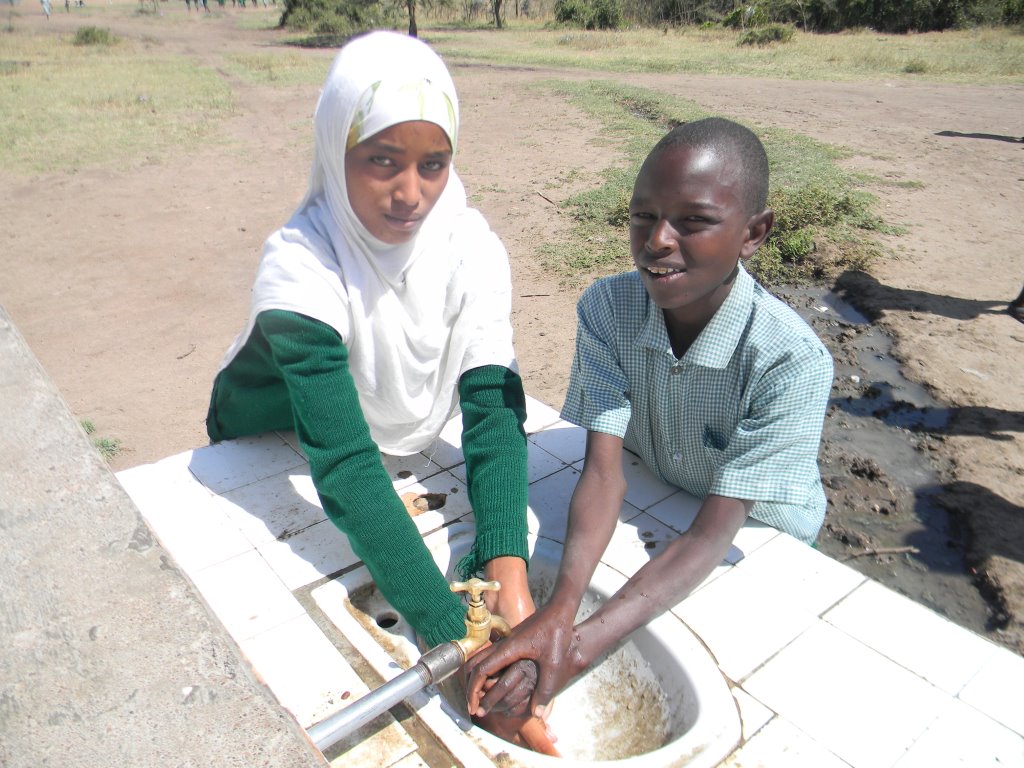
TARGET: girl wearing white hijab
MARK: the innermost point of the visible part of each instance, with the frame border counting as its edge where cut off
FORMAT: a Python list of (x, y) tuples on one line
[(379, 310)]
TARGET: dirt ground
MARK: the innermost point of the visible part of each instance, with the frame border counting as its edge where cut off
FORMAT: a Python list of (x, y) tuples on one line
[(129, 285)]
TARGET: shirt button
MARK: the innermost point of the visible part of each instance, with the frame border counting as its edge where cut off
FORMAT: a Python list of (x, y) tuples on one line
[(675, 369), (677, 457)]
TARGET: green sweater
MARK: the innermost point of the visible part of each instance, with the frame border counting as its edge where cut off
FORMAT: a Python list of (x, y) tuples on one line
[(292, 374)]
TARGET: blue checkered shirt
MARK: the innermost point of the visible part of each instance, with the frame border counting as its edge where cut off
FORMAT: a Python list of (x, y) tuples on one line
[(739, 415)]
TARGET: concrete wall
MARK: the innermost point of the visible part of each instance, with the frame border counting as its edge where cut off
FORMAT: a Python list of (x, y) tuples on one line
[(108, 656)]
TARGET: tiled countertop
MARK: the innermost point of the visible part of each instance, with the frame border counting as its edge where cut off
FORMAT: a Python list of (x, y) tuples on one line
[(827, 667)]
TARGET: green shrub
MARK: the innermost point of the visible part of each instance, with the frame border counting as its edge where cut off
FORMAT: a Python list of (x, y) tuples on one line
[(605, 14), (94, 36), (589, 14), (573, 12), (796, 246), (339, 18), (766, 35), (747, 16), (1012, 12)]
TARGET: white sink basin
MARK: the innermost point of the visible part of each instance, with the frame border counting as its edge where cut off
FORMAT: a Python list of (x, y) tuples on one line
[(659, 700)]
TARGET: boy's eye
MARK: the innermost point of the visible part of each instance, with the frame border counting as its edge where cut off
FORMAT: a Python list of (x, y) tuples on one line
[(695, 223), (640, 217)]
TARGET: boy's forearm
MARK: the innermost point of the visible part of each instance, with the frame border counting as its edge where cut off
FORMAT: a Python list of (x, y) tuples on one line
[(593, 514), (667, 579)]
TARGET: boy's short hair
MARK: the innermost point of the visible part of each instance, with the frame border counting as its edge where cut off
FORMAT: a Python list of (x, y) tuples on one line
[(727, 136)]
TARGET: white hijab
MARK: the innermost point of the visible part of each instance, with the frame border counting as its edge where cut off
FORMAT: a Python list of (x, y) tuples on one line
[(414, 316)]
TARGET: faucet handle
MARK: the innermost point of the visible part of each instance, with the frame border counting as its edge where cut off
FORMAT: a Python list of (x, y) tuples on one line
[(475, 586)]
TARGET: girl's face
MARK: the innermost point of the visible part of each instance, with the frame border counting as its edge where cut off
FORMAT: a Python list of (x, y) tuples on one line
[(395, 178)]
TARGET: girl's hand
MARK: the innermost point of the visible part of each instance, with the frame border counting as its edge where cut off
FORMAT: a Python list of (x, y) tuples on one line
[(513, 601)]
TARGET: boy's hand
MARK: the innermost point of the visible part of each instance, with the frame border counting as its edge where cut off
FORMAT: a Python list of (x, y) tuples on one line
[(548, 639), (510, 693)]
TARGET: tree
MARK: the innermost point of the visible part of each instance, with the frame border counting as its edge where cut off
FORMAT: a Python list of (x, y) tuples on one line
[(411, 6)]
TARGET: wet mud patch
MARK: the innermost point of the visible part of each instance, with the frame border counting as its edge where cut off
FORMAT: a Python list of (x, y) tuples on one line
[(886, 474)]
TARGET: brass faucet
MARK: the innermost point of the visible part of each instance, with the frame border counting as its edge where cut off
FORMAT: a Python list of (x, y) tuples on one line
[(479, 621)]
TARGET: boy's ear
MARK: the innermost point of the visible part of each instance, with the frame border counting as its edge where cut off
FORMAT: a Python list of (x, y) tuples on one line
[(758, 228)]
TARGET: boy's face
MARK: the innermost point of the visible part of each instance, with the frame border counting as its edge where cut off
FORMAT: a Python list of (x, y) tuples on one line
[(395, 178), (688, 227)]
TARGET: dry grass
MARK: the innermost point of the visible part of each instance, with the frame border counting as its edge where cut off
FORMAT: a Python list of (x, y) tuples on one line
[(67, 107), (970, 56)]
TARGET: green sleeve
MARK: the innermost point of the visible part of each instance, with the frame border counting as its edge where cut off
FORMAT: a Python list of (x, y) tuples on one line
[(311, 363), (493, 441)]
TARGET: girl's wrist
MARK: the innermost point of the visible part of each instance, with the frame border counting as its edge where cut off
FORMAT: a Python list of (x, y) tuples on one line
[(507, 567)]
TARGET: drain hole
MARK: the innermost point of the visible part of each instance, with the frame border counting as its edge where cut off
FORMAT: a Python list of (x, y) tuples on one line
[(387, 620)]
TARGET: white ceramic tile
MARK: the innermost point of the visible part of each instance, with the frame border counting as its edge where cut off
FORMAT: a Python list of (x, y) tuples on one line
[(912, 635), (753, 714), (306, 673), (743, 619), (800, 575), (850, 699), (406, 470), (678, 512), (539, 464), (410, 761), (548, 511), (160, 483), (191, 523), (636, 542), (246, 595), (549, 504), (173, 469), (563, 440), (233, 463), (962, 736), (277, 507), (538, 415), (380, 743), (446, 450), (781, 745), (309, 555), (403, 469), (456, 500), (643, 487), (292, 439), (753, 535), (996, 689)]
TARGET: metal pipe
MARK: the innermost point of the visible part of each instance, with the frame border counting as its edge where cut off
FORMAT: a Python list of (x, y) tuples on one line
[(433, 667)]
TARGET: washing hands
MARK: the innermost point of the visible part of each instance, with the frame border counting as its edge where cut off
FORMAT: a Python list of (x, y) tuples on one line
[(507, 713)]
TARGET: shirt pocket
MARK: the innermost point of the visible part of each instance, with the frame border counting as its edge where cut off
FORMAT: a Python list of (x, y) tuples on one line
[(713, 441)]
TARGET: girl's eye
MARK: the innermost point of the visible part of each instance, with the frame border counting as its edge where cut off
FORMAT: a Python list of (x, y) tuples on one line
[(381, 160), (434, 165)]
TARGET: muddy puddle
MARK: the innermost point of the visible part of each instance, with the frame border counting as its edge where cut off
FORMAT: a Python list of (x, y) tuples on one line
[(882, 469)]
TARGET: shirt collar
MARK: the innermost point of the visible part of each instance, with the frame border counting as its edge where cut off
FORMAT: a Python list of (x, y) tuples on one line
[(717, 342)]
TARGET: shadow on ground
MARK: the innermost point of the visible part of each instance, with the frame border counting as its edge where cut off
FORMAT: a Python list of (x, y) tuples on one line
[(872, 298)]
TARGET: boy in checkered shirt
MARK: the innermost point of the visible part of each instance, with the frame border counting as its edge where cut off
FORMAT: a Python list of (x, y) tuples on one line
[(687, 361)]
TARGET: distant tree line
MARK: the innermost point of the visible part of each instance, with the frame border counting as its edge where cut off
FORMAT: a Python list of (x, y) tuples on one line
[(347, 17), (828, 15)]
